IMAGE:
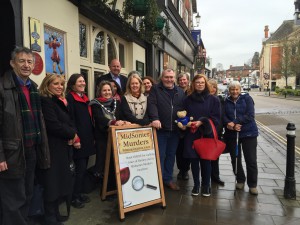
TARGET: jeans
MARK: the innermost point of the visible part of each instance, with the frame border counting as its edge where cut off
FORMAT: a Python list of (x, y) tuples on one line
[(205, 171), (248, 145), (167, 144)]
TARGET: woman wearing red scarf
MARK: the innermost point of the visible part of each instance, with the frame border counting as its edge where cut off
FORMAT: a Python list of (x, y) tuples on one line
[(81, 114), (106, 112)]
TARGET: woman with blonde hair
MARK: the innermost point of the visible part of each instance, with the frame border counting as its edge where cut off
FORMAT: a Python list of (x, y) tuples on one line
[(57, 180), (134, 102)]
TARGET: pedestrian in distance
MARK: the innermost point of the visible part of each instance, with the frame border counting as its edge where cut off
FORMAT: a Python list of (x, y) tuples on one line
[(215, 171), (58, 179), (81, 114), (183, 164), (134, 102), (239, 119), (202, 106), (23, 138), (164, 101)]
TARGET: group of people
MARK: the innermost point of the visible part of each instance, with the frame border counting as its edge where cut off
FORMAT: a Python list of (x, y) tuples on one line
[(45, 130)]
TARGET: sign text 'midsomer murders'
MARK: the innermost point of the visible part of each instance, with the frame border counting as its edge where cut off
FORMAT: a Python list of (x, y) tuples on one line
[(134, 141)]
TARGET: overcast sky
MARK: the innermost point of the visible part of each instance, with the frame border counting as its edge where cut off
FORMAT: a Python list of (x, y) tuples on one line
[(232, 30)]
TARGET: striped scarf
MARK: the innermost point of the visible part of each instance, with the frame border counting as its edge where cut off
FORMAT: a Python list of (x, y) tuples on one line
[(30, 119)]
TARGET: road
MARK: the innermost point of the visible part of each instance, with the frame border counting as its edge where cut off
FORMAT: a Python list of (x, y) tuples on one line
[(273, 115)]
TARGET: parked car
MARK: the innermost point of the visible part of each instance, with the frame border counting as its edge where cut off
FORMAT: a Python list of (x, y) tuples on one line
[(254, 86), (246, 87)]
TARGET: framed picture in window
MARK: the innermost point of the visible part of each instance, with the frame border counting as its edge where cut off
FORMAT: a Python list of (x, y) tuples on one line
[(140, 68)]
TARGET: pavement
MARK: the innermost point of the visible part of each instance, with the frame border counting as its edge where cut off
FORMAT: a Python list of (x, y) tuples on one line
[(222, 207)]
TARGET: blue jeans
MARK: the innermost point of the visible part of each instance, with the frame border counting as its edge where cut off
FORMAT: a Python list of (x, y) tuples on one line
[(167, 144)]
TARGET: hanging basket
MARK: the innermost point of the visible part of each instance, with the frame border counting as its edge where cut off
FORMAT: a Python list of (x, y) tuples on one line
[(160, 23), (139, 7)]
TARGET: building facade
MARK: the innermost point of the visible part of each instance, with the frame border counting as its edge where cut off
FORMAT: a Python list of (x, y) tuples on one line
[(87, 34)]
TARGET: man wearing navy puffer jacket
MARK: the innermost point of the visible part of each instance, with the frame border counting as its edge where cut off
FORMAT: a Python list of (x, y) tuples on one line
[(164, 101)]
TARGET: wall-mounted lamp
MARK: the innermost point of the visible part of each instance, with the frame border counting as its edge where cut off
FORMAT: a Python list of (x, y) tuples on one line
[(198, 17)]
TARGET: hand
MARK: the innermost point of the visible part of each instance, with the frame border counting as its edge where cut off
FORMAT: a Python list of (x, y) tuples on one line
[(230, 126), (3, 166), (156, 124), (71, 141), (237, 127), (120, 123), (77, 145)]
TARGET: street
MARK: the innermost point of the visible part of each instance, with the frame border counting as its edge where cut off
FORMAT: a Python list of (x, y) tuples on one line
[(273, 115)]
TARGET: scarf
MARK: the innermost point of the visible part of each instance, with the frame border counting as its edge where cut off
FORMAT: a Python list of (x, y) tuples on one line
[(83, 99), (30, 119)]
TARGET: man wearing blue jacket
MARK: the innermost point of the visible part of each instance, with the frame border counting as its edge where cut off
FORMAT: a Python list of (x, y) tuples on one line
[(164, 101)]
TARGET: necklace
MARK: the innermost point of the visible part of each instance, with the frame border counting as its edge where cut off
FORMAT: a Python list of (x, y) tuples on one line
[(107, 110)]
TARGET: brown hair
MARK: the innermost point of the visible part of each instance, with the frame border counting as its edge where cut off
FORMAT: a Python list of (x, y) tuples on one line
[(196, 77)]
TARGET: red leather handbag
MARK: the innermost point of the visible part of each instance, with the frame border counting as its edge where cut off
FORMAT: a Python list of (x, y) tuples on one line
[(209, 148)]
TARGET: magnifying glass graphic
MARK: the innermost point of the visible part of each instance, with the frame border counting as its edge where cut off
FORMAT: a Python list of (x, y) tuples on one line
[(138, 184)]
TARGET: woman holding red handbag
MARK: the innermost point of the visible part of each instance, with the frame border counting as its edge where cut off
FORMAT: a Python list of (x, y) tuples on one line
[(202, 106)]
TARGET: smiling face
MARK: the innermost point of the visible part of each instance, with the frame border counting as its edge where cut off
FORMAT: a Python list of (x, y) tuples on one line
[(106, 91), (168, 78), (183, 82), (79, 85), (23, 64), (135, 86), (200, 84), (56, 87), (235, 92), (147, 83), (115, 67)]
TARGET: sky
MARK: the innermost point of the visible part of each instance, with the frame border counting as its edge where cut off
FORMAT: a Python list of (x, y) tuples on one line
[(233, 30)]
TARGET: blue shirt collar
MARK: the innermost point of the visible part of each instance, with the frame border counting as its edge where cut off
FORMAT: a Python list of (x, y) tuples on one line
[(22, 83)]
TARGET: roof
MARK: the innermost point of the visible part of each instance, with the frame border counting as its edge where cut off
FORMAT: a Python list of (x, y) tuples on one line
[(286, 28)]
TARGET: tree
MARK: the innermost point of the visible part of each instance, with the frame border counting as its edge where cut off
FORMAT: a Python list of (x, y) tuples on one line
[(255, 60)]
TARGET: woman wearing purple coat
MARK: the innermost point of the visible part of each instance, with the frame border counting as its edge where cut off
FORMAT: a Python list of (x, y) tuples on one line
[(202, 106)]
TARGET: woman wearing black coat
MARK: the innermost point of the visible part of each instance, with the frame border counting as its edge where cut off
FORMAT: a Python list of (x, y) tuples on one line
[(57, 181), (106, 112), (202, 106), (81, 114)]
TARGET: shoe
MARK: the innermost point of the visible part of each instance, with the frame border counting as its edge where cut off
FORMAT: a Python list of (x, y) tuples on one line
[(76, 203), (218, 181), (84, 198), (253, 191), (195, 191), (205, 191), (173, 186), (239, 186)]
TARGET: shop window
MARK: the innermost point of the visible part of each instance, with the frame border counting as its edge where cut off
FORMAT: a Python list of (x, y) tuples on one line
[(99, 50), (111, 50), (122, 54), (82, 40)]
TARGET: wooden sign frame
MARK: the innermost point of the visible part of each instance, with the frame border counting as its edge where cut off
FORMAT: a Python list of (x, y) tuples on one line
[(137, 148)]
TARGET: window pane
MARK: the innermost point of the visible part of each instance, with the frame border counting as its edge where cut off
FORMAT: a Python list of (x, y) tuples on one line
[(82, 40), (99, 54), (111, 49), (122, 54)]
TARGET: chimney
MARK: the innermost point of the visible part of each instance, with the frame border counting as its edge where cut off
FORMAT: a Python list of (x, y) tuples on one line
[(266, 31)]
